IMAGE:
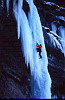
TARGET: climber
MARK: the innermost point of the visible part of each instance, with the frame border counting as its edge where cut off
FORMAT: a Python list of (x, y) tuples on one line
[(39, 49)]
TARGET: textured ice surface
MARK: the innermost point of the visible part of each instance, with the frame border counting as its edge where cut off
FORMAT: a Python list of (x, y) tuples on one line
[(30, 32)]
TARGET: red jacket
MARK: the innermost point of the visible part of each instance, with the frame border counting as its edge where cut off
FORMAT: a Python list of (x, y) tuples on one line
[(39, 46)]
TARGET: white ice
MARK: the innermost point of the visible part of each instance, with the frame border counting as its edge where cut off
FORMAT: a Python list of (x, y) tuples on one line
[(54, 27), (61, 38), (30, 33)]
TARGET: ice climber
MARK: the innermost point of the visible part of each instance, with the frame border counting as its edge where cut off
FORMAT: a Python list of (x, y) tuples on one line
[(39, 49)]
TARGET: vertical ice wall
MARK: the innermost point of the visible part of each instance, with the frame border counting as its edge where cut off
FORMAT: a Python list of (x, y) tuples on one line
[(30, 32)]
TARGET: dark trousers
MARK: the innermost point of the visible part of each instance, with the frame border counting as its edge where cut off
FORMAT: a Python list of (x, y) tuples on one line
[(39, 50)]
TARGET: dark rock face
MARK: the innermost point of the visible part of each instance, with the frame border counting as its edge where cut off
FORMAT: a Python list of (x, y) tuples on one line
[(14, 76)]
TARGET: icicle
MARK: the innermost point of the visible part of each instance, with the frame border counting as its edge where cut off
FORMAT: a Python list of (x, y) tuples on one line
[(53, 26), (14, 3), (7, 5), (20, 2), (2, 3), (62, 35), (30, 32), (62, 32), (18, 20)]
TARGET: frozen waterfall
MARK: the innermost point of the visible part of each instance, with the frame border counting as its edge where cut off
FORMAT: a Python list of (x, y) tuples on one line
[(30, 32), (54, 27), (62, 32), (60, 37)]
